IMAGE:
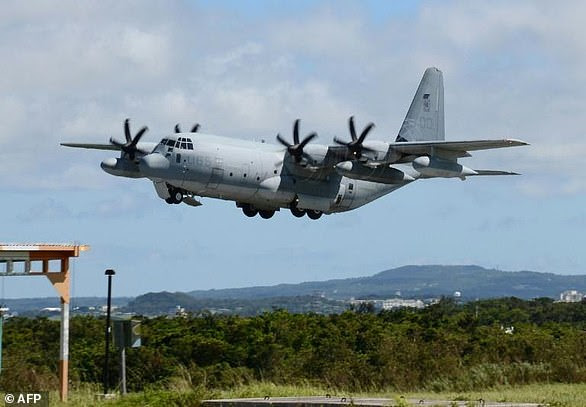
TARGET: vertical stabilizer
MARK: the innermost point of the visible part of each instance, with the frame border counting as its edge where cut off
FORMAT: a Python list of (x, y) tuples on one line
[(425, 118)]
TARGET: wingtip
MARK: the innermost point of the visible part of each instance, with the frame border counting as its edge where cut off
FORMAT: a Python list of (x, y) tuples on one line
[(517, 142)]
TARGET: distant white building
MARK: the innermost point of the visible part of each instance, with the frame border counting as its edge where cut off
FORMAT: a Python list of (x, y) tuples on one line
[(400, 303), (571, 296)]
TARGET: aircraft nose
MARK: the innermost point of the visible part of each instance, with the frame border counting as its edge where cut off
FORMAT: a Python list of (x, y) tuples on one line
[(153, 163)]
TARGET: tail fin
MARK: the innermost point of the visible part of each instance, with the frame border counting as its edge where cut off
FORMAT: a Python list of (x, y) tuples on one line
[(425, 118)]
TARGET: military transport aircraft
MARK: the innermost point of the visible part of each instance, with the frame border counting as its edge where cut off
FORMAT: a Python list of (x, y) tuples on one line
[(308, 179)]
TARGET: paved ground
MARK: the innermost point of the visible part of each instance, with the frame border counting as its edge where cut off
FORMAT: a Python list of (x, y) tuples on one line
[(342, 402)]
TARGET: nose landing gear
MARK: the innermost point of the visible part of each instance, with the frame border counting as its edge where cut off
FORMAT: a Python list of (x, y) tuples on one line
[(176, 196)]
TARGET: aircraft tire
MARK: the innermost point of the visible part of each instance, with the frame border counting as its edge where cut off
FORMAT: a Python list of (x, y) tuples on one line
[(266, 214), (177, 196), (169, 200), (249, 211), (315, 215), (298, 213)]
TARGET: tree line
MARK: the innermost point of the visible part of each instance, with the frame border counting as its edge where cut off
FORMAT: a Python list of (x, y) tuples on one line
[(446, 346)]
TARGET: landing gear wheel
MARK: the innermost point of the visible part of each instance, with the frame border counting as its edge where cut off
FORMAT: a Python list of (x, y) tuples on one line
[(266, 214), (249, 211), (177, 196), (298, 213), (315, 215)]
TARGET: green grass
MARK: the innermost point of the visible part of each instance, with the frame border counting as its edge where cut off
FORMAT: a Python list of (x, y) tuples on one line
[(180, 394)]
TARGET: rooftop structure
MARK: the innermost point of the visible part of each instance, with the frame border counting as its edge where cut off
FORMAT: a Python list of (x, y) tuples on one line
[(26, 259)]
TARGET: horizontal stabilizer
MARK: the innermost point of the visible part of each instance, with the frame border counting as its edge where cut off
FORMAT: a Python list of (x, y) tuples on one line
[(494, 172)]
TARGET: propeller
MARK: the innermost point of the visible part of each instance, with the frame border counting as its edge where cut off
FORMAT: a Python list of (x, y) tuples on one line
[(356, 146), (130, 147), (194, 129), (296, 149)]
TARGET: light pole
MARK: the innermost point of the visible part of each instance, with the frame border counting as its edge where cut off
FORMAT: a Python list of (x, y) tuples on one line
[(109, 273)]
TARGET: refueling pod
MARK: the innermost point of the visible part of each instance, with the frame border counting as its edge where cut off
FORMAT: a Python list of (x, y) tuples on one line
[(383, 174), (437, 167)]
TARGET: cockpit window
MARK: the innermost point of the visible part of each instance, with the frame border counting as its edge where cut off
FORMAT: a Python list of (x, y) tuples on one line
[(182, 143)]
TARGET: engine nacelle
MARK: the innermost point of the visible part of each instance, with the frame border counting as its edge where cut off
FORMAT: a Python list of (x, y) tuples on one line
[(121, 167), (383, 174), (437, 167)]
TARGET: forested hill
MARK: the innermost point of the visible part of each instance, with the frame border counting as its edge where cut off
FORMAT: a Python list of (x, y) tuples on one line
[(419, 281)]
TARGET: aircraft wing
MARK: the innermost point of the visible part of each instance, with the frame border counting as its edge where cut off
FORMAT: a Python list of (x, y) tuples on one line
[(92, 146), (462, 147), (142, 147)]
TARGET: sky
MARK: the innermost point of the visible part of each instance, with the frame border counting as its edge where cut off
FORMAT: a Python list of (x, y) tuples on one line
[(73, 71)]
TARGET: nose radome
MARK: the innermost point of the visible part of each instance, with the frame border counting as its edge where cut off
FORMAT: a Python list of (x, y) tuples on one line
[(151, 163)]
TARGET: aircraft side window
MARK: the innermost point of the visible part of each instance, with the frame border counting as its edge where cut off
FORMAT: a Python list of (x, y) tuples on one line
[(170, 143), (164, 141), (188, 140), (178, 144), (189, 146), (178, 158), (351, 186), (184, 145)]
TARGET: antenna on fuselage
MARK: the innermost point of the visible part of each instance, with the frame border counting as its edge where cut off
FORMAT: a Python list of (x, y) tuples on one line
[(194, 129)]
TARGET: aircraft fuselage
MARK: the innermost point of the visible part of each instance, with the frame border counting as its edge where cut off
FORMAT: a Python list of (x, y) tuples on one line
[(254, 173)]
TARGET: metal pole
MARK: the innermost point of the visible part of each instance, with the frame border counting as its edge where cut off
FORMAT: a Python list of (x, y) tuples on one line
[(123, 369), (64, 350), (1, 337), (109, 273)]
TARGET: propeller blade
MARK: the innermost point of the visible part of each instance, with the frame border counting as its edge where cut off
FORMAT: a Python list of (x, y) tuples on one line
[(195, 128), (127, 130), (177, 129), (296, 149), (283, 141), (340, 142), (138, 136), (352, 128), (296, 132), (306, 140), (366, 130), (116, 142)]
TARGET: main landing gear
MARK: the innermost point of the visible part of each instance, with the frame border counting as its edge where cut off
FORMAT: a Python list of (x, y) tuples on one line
[(251, 212), (298, 213)]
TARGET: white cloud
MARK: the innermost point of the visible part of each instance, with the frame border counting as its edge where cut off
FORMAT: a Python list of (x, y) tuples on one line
[(77, 71)]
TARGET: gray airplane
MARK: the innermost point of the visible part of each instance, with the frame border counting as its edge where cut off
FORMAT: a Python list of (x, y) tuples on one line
[(308, 179)]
